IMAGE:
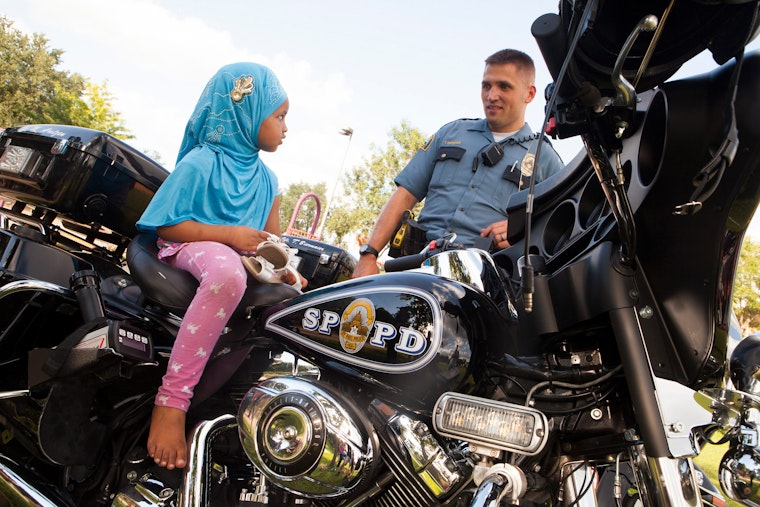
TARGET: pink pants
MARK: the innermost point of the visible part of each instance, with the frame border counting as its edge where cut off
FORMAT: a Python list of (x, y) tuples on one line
[(222, 278)]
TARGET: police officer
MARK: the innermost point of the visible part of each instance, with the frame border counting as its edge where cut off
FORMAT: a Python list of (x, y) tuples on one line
[(467, 171)]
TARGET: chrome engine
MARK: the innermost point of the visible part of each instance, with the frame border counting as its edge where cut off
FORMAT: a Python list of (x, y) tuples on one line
[(308, 443), (305, 439)]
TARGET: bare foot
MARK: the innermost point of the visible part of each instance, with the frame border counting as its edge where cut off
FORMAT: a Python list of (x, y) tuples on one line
[(166, 440)]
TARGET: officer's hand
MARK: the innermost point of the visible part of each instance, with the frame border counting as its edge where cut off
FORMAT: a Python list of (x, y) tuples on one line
[(497, 231)]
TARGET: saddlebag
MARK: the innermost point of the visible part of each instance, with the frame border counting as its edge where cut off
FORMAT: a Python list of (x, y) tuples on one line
[(86, 175)]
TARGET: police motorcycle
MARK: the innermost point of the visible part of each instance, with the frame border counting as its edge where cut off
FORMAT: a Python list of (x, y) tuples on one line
[(587, 364)]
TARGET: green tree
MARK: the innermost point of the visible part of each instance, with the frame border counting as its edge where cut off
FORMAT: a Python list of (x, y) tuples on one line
[(368, 187), (307, 212), (33, 90), (746, 294), (98, 112)]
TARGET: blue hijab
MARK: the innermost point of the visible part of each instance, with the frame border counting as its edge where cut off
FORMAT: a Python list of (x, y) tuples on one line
[(219, 177)]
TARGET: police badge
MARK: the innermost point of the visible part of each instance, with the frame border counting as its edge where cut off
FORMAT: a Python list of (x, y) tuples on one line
[(526, 167)]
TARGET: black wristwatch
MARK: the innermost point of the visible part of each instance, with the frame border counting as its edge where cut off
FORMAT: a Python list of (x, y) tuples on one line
[(366, 248)]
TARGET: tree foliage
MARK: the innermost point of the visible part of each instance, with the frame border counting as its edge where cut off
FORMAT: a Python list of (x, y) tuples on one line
[(746, 294), (33, 90), (367, 187), (98, 112), (307, 211)]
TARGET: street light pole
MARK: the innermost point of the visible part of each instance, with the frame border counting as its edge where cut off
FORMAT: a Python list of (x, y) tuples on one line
[(346, 131)]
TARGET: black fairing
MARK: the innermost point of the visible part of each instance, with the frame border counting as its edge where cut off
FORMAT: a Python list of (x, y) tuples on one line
[(691, 260), (680, 283), (691, 26), (417, 335)]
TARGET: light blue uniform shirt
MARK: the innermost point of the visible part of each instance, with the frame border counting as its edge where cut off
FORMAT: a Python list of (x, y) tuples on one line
[(461, 193)]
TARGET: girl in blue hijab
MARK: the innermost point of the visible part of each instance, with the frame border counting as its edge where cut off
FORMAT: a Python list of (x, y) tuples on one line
[(220, 201)]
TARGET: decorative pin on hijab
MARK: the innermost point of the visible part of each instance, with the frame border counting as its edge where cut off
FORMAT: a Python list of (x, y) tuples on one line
[(243, 86)]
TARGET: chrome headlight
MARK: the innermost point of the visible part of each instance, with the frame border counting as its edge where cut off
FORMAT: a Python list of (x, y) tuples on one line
[(740, 475)]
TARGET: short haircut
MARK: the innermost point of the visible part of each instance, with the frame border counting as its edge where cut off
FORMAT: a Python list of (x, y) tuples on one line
[(517, 58)]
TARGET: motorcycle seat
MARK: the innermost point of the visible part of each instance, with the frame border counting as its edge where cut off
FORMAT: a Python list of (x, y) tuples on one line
[(173, 289)]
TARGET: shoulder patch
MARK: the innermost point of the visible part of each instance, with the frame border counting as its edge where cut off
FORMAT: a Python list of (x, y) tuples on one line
[(428, 142)]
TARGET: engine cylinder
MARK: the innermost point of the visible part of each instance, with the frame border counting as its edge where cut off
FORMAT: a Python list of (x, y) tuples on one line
[(306, 438)]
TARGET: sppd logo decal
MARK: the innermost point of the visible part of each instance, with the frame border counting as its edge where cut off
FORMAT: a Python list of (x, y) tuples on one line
[(387, 328), (355, 325)]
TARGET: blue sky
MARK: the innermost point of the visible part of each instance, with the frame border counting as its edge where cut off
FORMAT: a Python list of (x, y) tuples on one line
[(359, 64)]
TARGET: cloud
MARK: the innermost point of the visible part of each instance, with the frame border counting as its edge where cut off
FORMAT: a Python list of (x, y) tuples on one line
[(157, 61)]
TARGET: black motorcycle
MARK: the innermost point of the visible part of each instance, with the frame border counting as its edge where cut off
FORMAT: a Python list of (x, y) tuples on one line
[(585, 365)]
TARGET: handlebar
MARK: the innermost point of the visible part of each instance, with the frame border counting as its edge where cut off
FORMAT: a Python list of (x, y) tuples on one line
[(415, 260), (406, 262)]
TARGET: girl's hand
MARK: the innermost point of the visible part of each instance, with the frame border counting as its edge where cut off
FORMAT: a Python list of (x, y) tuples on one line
[(246, 239), (239, 237), (289, 277)]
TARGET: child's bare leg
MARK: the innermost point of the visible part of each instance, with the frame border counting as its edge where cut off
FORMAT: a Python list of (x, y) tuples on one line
[(166, 441)]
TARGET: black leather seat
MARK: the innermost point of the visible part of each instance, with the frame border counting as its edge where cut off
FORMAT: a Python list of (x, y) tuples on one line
[(173, 289), (164, 285)]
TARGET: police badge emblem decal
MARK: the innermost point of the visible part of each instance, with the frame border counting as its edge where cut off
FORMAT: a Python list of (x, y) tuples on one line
[(355, 324)]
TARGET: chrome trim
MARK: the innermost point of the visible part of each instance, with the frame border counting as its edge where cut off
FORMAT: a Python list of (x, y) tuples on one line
[(466, 266), (286, 364), (26, 285), (472, 266), (666, 482), (10, 215), (680, 413), (575, 484), (433, 466), (728, 406), (501, 481), (193, 490), (14, 394), (23, 493), (489, 492), (675, 482), (146, 492)]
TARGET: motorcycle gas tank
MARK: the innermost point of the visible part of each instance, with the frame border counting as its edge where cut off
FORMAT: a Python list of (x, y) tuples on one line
[(414, 334)]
